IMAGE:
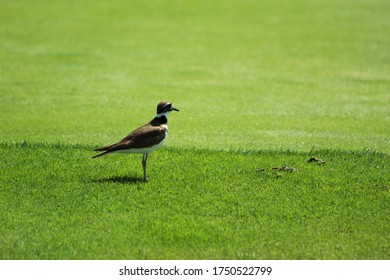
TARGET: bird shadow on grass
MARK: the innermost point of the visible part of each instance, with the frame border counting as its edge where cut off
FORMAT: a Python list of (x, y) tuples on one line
[(121, 180)]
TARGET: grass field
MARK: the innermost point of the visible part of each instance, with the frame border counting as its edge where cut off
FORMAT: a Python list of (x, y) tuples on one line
[(209, 204), (259, 84)]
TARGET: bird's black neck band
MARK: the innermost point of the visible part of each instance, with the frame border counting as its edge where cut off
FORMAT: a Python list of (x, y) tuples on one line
[(160, 120)]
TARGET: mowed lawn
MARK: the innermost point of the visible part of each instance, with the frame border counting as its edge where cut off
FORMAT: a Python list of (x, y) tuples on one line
[(260, 85), (198, 204)]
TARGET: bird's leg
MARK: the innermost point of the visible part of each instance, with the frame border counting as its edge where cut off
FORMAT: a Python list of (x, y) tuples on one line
[(144, 158)]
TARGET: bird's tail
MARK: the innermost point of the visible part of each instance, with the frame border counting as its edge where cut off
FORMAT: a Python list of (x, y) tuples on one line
[(102, 154)]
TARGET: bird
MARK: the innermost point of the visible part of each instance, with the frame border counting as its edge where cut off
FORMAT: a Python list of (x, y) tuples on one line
[(144, 139)]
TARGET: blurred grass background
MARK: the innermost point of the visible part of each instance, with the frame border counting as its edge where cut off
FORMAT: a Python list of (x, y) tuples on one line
[(245, 74)]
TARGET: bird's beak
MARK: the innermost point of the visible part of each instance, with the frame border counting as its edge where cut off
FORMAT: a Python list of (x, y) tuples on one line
[(174, 109)]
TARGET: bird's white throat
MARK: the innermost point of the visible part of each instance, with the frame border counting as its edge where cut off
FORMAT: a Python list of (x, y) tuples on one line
[(162, 114)]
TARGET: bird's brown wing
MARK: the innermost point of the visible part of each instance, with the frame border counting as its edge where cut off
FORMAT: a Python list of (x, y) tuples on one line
[(142, 137), (146, 136)]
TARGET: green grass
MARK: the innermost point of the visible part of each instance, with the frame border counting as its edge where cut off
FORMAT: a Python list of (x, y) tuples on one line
[(246, 74), (198, 204), (258, 84)]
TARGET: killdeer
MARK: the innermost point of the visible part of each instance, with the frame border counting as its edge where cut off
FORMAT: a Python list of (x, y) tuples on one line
[(144, 139)]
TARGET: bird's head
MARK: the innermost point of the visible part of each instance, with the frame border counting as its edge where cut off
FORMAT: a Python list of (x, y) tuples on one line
[(164, 107)]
